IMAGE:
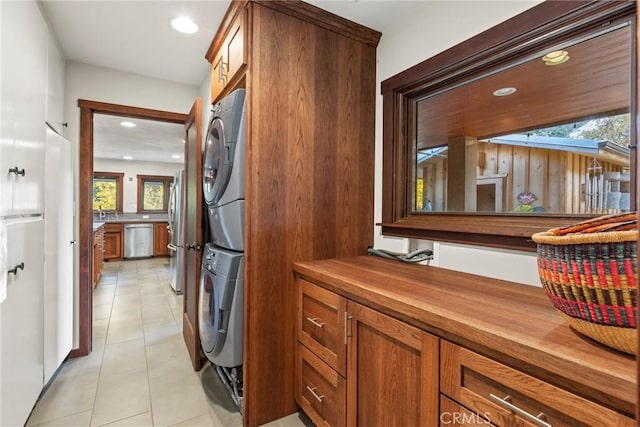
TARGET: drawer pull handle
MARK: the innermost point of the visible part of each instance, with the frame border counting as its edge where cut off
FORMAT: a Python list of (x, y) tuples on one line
[(506, 403), (315, 322), (17, 171), (15, 269), (312, 390)]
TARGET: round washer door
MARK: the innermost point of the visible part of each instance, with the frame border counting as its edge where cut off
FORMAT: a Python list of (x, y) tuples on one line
[(216, 165), (208, 318)]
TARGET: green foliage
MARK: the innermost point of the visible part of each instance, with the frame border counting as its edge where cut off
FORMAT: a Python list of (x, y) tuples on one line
[(153, 196), (104, 194), (615, 129)]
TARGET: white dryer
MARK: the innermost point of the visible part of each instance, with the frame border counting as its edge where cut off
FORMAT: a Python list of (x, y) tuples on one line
[(223, 171)]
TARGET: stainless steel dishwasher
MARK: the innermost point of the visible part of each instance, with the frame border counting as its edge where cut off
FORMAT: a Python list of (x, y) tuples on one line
[(138, 240)]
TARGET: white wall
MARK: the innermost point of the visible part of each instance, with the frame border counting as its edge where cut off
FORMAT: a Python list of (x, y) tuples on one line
[(434, 27), (131, 169), (101, 84)]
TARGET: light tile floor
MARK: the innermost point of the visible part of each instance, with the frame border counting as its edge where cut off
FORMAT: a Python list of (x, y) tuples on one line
[(139, 372)]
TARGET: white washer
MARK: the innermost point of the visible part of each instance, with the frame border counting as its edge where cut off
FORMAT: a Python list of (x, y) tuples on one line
[(221, 306), (223, 171)]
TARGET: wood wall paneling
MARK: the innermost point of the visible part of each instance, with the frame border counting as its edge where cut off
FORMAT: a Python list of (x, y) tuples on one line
[(309, 184)]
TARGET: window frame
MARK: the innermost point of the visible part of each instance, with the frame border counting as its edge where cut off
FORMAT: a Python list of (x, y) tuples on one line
[(142, 179), (119, 178)]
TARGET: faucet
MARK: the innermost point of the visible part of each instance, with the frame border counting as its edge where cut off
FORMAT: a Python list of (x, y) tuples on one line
[(102, 214)]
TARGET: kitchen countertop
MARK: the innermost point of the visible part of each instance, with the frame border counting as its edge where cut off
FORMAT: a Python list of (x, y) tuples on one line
[(513, 323), (97, 225)]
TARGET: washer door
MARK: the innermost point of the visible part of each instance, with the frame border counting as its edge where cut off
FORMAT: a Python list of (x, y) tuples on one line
[(216, 165), (210, 315)]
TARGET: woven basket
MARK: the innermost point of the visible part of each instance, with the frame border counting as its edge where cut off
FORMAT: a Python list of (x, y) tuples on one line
[(592, 280)]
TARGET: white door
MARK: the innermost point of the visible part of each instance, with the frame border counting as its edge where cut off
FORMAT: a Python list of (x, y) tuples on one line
[(58, 265), (21, 321)]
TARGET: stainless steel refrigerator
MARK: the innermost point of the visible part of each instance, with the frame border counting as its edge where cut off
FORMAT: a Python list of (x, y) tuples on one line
[(176, 231)]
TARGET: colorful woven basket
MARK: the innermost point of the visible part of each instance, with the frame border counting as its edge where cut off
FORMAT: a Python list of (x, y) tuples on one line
[(592, 280)]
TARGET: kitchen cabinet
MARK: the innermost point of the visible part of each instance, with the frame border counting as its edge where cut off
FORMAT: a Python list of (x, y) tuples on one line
[(161, 239), (311, 90), (383, 354), (22, 125), (229, 58), (506, 358), (98, 251), (508, 397), (113, 241), (21, 321)]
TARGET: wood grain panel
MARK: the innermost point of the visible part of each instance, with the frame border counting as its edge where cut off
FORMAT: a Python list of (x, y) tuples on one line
[(512, 323), (392, 373), (309, 182), (318, 306), (471, 379), (194, 227)]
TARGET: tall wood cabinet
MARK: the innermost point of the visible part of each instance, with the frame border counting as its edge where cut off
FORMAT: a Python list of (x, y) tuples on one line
[(310, 80)]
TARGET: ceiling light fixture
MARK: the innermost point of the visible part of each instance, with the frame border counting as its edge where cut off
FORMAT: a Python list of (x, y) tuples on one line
[(127, 157), (556, 57), (184, 25), (504, 91), (176, 156), (128, 124)]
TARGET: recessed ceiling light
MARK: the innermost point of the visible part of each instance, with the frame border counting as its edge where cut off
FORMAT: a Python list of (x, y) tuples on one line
[(127, 157), (504, 91), (128, 124), (184, 25), (176, 156)]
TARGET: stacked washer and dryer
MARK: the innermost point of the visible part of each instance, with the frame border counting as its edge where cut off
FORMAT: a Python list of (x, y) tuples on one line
[(222, 274)]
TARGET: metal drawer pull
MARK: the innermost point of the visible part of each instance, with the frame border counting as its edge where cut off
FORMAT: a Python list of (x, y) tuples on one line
[(15, 269), (312, 390), (506, 403), (17, 171), (315, 322)]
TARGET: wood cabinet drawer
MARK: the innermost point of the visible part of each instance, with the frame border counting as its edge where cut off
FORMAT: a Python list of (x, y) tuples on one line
[(455, 415), (512, 398), (113, 227), (321, 324), (320, 390)]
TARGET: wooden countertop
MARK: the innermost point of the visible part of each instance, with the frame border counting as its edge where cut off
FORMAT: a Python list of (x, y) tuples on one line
[(513, 323)]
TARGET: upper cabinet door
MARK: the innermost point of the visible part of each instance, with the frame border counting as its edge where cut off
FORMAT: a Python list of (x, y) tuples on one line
[(22, 128), (229, 59)]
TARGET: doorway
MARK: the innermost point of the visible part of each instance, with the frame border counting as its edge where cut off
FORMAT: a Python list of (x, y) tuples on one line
[(85, 200)]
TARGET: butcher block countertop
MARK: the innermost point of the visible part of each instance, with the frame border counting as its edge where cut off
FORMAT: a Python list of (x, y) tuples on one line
[(510, 322)]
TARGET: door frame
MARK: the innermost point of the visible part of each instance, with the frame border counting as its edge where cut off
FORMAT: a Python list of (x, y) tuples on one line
[(85, 265)]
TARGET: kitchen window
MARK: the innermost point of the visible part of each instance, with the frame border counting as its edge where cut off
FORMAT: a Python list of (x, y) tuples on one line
[(153, 193), (107, 191)]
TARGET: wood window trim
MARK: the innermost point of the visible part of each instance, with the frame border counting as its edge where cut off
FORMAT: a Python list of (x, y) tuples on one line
[(501, 230), (167, 180), (119, 177)]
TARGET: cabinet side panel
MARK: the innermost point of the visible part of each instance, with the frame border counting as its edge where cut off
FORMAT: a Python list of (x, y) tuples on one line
[(309, 168)]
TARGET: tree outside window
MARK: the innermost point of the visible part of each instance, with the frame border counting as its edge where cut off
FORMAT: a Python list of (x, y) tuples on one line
[(153, 193), (107, 191)]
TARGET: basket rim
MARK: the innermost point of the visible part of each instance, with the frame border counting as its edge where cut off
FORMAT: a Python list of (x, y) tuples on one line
[(548, 237)]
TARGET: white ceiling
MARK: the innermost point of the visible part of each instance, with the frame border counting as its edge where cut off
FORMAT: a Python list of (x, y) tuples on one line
[(136, 36)]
